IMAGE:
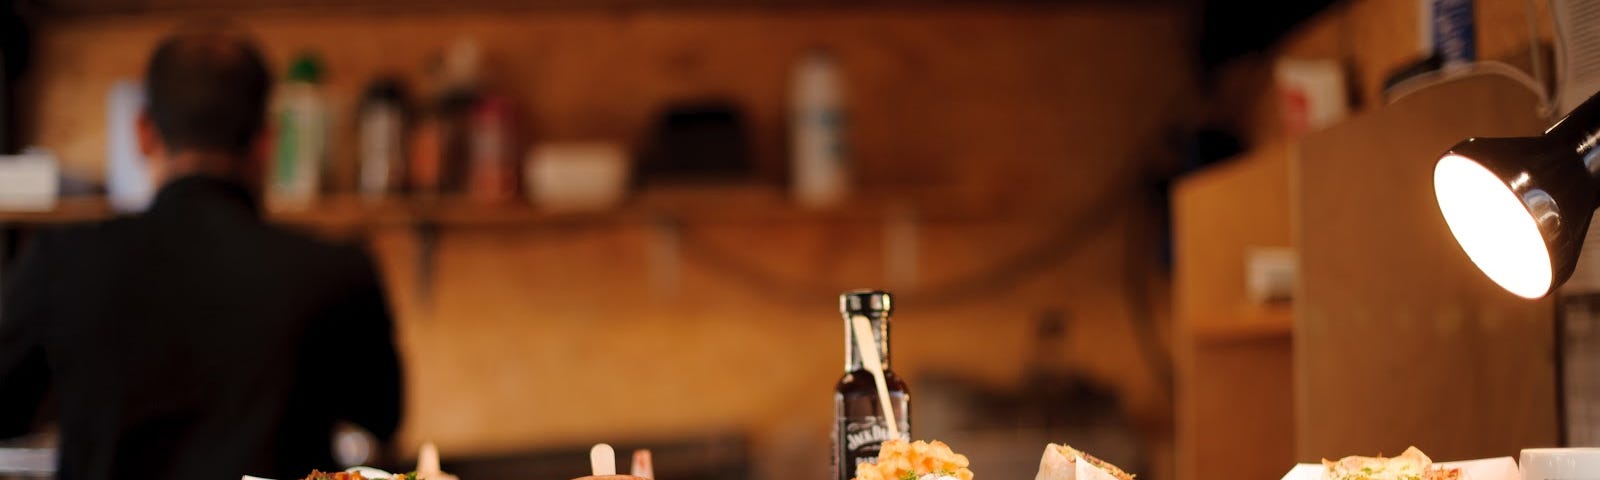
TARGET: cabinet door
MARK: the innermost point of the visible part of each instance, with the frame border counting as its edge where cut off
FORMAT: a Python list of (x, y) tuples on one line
[(1399, 340)]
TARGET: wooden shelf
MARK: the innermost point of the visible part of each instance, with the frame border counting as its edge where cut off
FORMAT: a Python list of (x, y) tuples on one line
[(78, 8), (733, 204), (67, 210), (1250, 324), (1215, 335)]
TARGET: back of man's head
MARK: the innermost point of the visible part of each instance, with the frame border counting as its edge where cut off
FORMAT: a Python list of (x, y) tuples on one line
[(207, 91)]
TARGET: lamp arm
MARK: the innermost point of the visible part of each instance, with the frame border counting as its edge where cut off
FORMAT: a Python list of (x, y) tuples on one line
[(1579, 132)]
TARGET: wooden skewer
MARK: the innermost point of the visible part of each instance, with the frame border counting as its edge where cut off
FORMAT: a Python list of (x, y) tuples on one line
[(602, 460), (428, 464), (643, 466), (428, 461)]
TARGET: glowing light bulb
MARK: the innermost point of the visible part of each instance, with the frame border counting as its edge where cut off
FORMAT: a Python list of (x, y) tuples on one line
[(1492, 225)]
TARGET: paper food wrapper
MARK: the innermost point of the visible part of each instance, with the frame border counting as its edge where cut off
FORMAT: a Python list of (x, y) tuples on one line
[(1503, 468), (1055, 466)]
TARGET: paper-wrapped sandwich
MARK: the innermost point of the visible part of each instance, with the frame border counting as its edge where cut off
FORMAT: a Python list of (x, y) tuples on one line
[(1062, 462)]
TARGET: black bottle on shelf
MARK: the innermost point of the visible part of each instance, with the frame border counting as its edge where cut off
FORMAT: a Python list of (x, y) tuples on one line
[(859, 427)]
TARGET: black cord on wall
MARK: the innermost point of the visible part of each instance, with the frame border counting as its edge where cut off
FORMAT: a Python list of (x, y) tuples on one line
[(1120, 201)]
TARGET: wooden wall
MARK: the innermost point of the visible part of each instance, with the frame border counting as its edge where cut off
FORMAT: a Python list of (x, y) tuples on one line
[(986, 100), (1374, 38), (555, 334)]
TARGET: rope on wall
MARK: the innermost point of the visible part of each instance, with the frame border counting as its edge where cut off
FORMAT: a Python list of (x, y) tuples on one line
[(1064, 239)]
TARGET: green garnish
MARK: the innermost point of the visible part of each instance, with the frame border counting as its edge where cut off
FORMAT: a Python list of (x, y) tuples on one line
[(914, 476)]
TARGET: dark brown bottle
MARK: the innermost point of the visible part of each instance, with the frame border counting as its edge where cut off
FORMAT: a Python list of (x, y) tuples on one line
[(859, 427)]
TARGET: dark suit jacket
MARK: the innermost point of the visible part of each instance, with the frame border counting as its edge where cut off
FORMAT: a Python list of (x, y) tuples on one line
[(195, 342)]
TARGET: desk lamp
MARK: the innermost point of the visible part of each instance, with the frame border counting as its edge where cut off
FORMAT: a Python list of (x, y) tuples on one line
[(1520, 207)]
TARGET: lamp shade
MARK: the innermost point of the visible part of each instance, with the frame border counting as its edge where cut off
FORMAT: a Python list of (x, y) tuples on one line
[(1520, 207)]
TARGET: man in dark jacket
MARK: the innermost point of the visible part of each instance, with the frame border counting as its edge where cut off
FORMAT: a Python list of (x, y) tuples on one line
[(195, 341)]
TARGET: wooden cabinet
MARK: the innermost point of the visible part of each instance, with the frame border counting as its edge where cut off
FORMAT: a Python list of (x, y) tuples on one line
[(1399, 340), (1393, 338), (1234, 405)]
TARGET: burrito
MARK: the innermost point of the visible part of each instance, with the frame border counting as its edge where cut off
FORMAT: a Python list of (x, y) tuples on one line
[(1062, 462)]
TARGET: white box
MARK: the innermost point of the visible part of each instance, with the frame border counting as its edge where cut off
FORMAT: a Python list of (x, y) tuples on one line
[(29, 182), (576, 176)]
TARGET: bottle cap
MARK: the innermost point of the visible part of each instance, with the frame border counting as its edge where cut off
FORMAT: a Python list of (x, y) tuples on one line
[(388, 89), (305, 68), (872, 302)]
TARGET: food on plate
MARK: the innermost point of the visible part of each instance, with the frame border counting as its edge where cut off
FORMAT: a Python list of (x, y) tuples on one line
[(1061, 462), (919, 460), (427, 469), (1411, 465), (353, 475)]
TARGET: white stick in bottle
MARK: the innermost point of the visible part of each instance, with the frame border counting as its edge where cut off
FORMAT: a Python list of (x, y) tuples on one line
[(874, 365)]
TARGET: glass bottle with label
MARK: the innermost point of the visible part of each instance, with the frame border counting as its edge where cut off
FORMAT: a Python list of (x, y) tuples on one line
[(859, 427)]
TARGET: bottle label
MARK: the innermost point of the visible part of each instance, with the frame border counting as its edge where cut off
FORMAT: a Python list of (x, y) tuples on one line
[(863, 437), (862, 432)]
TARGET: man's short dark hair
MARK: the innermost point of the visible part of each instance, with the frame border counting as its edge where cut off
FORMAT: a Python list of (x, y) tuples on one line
[(207, 91)]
